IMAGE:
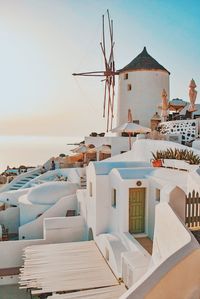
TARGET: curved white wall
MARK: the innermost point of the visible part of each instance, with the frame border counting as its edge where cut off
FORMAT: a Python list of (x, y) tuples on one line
[(11, 197), (29, 212), (34, 229), (144, 97), (49, 193), (168, 225)]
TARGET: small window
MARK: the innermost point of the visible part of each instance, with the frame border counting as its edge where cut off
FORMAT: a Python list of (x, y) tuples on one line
[(129, 87), (125, 76), (114, 200), (158, 195), (90, 189)]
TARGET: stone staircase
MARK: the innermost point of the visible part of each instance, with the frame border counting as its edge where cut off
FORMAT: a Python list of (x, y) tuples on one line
[(21, 180)]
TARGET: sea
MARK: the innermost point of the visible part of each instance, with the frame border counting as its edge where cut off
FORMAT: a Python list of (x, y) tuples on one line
[(33, 150)]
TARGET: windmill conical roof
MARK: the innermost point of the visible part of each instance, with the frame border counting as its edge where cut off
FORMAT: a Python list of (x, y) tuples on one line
[(144, 61)]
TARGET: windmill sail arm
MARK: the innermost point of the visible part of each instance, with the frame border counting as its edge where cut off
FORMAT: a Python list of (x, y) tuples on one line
[(96, 73), (107, 45)]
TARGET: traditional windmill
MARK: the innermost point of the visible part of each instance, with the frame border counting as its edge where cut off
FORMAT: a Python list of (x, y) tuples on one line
[(108, 74)]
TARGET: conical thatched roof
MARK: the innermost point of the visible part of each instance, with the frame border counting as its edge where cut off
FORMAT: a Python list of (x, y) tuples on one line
[(144, 62)]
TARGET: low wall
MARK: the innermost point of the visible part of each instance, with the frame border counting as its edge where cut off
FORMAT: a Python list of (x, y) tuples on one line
[(182, 282), (34, 229), (65, 229), (169, 234), (172, 244), (56, 230), (11, 252)]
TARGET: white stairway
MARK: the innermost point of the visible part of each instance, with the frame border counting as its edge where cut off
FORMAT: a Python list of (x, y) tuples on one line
[(21, 180)]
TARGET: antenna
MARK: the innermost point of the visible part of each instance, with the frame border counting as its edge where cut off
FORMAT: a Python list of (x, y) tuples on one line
[(108, 73)]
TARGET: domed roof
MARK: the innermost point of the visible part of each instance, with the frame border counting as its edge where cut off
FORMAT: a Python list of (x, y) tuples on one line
[(143, 62)]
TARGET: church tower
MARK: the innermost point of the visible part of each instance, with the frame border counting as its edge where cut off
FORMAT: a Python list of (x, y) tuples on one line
[(141, 83)]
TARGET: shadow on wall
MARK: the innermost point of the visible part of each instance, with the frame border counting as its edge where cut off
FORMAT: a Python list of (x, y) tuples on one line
[(90, 234), (177, 202)]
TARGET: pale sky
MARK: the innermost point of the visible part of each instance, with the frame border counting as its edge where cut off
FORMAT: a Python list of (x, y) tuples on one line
[(44, 41)]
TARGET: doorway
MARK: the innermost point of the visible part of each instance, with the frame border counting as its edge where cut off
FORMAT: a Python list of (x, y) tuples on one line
[(136, 210)]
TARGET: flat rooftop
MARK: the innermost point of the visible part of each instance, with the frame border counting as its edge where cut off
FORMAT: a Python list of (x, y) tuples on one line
[(103, 168)]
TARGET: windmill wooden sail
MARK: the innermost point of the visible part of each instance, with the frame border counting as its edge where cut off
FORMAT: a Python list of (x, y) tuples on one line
[(108, 73)]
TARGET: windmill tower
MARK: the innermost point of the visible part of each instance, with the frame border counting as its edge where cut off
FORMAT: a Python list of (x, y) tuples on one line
[(141, 83)]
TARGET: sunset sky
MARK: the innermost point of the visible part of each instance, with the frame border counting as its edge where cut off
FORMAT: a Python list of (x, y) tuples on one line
[(44, 41)]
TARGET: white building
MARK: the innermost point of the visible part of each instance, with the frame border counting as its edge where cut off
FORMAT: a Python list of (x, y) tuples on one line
[(126, 202), (138, 218), (141, 83), (24, 211)]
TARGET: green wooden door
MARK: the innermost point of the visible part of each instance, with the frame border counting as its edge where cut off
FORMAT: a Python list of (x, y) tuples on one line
[(136, 210)]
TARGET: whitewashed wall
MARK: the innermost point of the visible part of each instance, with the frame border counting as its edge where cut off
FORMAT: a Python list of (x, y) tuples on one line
[(34, 229), (175, 232), (49, 193), (118, 144), (143, 148), (11, 197), (193, 181), (144, 97), (10, 218), (177, 202), (65, 229), (56, 230), (29, 212), (91, 212), (75, 174), (119, 215)]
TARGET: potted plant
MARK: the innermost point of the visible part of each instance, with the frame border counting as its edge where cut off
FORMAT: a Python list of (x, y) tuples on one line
[(157, 160), (178, 158)]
